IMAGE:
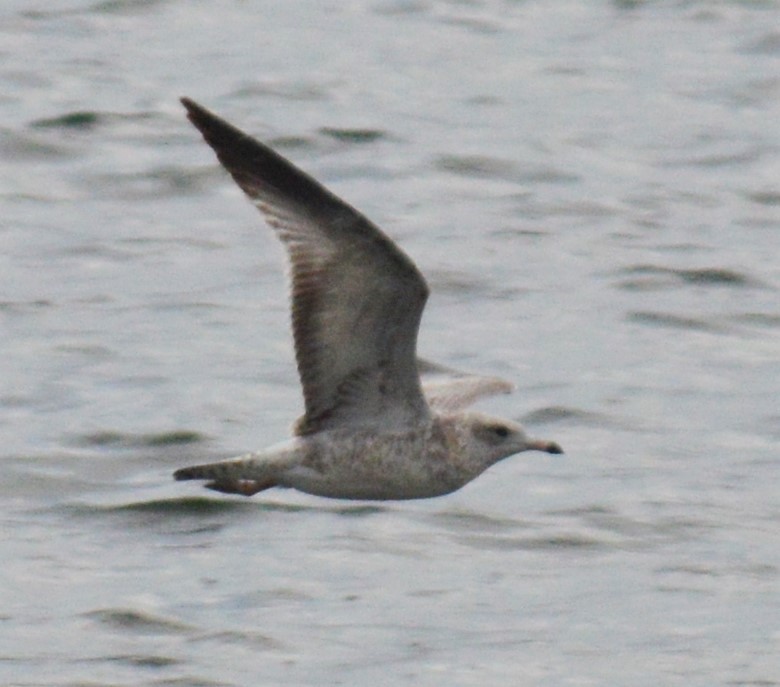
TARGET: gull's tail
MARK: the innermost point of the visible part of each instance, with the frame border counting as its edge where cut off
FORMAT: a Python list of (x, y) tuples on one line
[(247, 474), (235, 476)]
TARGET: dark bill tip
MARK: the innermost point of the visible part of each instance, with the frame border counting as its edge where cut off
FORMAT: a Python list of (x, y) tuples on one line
[(552, 447), (544, 445)]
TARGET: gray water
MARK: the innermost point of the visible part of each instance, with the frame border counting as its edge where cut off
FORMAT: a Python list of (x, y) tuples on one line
[(592, 190)]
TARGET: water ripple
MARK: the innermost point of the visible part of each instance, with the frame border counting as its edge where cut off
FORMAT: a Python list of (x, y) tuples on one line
[(81, 120), (137, 622), (646, 277), (353, 135), (114, 439), (672, 321), (572, 416), (485, 167)]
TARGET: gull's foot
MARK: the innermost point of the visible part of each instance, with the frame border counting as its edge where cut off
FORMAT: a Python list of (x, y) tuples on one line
[(245, 487)]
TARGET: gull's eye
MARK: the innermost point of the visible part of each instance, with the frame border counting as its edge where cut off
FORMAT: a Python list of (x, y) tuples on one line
[(494, 434)]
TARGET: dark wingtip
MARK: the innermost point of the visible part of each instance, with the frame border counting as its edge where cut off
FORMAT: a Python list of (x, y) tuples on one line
[(552, 447), (190, 105), (196, 113)]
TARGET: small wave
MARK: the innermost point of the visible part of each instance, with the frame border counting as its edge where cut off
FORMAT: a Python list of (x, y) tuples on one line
[(353, 135), (658, 319), (765, 197), (769, 44), (486, 167), (758, 319), (570, 416), (140, 660), (656, 276), (552, 542), (140, 622), (82, 120), (110, 438)]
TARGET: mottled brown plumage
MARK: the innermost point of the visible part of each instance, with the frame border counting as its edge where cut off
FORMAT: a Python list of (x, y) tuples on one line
[(368, 430)]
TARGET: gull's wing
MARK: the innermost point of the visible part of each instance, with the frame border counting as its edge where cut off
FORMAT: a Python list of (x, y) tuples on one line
[(357, 298), (448, 390)]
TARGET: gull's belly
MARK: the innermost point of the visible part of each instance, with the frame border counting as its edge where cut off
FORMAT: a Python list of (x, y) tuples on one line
[(376, 467)]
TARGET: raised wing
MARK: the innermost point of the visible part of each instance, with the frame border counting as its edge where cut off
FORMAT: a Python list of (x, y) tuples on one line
[(448, 390), (357, 298)]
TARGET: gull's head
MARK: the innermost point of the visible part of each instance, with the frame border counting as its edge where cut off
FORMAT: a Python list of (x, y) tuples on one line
[(492, 439)]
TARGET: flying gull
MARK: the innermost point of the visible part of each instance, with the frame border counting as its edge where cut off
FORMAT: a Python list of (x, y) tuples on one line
[(372, 427)]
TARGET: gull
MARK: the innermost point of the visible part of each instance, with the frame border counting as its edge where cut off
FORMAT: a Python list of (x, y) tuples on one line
[(379, 423)]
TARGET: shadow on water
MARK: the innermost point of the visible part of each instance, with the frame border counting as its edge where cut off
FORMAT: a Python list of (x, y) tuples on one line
[(189, 516), (194, 506)]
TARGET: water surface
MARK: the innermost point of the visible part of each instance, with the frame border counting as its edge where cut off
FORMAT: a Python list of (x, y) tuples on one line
[(592, 192)]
